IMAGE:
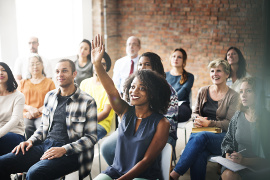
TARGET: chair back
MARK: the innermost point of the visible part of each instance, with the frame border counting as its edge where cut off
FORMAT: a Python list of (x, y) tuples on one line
[(166, 158)]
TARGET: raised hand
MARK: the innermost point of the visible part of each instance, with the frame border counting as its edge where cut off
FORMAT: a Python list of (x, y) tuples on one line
[(97, 50)]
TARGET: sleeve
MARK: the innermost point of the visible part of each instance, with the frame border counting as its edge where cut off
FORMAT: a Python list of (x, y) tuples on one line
[(196, 110), (90, 132), (116, 76), (186, 87), (224, 123), (172, 113), (21, 85), (229, 143), (16, 115)]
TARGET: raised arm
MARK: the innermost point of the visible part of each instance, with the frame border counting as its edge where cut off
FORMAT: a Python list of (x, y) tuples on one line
[(156, 146), (118, 104)]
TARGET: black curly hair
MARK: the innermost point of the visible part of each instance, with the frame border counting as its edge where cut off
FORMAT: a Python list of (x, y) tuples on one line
[(157, 89)]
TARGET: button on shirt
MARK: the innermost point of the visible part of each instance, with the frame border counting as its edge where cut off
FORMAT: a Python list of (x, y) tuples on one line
[(121, 71)]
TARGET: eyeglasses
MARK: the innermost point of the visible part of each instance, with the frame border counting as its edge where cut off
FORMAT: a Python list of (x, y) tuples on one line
[(103, 64), (35, 64)]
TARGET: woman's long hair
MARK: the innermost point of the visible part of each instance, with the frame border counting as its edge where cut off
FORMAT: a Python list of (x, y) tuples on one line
[(184, 76), (11, 82), (241, 72)]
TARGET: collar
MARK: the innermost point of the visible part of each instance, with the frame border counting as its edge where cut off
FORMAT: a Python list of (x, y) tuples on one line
[(74, 96)]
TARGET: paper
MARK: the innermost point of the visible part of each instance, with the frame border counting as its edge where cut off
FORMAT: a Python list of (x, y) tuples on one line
[(228, 164)]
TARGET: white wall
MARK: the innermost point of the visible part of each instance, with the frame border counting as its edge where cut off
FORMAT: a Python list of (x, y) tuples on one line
[(60, 26)]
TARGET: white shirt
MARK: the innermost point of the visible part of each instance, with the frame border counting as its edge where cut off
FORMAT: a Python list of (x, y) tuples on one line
[(21, 67), (236, 85), (121, 71)]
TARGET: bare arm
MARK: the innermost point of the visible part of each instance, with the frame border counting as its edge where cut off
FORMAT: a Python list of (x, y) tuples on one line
[(156, 146), (104, 113), (118, 104)]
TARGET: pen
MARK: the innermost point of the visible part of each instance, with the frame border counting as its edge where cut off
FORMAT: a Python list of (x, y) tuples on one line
[(240, 151)]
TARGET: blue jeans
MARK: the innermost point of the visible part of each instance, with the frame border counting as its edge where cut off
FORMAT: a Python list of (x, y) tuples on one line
[(101, 132), (198, 148), (38, 169), (9, 141)]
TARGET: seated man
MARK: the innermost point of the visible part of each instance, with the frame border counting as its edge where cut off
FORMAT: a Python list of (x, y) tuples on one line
[(94, 87), (65, 140)]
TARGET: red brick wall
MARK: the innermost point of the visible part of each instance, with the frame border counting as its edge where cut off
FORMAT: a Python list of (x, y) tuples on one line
[(204, 28)]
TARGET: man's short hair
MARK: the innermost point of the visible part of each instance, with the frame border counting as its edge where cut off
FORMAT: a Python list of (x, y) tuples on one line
[(71, 63)]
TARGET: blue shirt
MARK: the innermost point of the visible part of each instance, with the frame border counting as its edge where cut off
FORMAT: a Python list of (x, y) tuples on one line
[(183, 90)]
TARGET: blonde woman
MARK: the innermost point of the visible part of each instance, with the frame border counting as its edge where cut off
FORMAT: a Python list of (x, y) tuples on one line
[(215, 106)]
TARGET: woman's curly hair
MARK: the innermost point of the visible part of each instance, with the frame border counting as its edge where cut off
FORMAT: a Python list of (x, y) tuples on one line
[(157, 89)]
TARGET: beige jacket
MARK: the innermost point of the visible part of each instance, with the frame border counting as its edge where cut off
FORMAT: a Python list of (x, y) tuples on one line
[(225, 111)]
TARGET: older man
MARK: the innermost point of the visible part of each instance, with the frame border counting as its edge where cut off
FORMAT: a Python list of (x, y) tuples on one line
[(126, 65), (65, 140), (21, 65)]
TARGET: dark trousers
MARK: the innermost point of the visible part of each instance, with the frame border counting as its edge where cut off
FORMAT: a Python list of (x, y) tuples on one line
[(36, 168), (184, 112), (9, 141)]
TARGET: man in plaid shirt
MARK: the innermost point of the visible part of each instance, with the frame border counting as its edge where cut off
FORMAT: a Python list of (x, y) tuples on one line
[(65, 140)]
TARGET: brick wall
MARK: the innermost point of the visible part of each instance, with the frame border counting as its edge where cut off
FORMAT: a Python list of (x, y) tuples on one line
[(204, 28)]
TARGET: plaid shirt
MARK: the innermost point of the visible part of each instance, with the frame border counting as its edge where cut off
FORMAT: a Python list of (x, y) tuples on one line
[(81, 120)]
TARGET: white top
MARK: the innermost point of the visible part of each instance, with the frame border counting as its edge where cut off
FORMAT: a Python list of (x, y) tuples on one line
[(121, 71), (236, 85), (21, 67), (11, 113)]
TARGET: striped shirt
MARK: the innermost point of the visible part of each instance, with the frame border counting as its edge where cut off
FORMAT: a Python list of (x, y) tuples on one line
[(81, 121)]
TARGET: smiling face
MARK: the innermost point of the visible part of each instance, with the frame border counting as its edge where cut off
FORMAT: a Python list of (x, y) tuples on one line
[(137, 93), (84, 50), (177, 59), (232, 57), (35, 66), (3, 75), (247, 94), (64, 75), (144, 63), (218, 75)]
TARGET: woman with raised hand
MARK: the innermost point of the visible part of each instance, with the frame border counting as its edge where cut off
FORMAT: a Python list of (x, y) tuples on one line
[(182, 81), (238, 68), (243, 135), (143, 131), (151, 61), (34, 90), (83, 64), (11, 111), (215, 106)]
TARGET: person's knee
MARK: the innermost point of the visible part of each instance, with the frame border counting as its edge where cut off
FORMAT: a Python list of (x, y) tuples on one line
[(35, 172), (229, 175)]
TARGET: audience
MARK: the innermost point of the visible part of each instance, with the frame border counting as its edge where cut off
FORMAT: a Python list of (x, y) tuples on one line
[(182, 81), (126, 65), (143, 131), (11, 111), (215, 106), (21, 64), (238, 68), (94, 87), (34, 89), (243, 134), (83, 64), (65, 140), (152, 62)]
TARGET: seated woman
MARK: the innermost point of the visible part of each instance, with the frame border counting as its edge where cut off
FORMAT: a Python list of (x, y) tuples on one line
[(94, 87), (182, 81), (238, 68), (215, 107), (11, 111), (152, 62), (243, 135), (143, 131), (34, 90), (83, 64)]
